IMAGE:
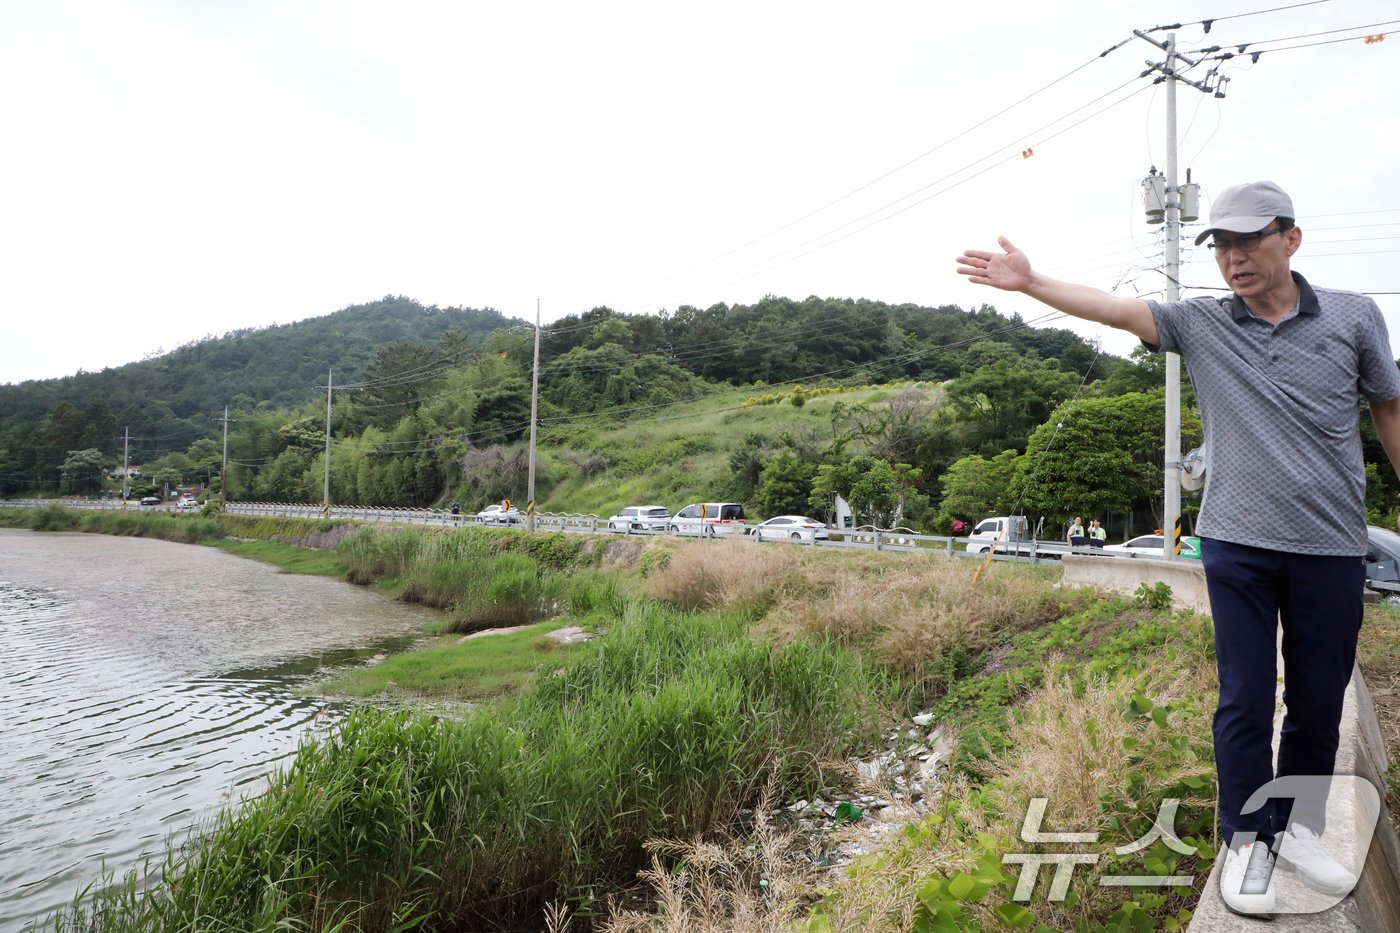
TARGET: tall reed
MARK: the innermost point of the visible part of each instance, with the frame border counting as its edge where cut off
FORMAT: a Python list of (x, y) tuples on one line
[(664, 727)]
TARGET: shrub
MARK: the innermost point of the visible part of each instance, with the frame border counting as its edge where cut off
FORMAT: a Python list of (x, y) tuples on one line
[(510, 590), (54, 518), (734, 573), (371, 554)]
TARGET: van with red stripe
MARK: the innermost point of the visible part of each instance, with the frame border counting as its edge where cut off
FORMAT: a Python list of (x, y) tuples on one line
[(709, 519)]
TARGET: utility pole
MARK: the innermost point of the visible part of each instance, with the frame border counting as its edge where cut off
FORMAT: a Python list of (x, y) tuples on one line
[(326, 492), (534, 417), (126, 461), (223, 477), (1171, 490), (1172, 213)]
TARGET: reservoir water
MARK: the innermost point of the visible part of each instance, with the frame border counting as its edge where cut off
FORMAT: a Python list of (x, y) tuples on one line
[(145, 684)]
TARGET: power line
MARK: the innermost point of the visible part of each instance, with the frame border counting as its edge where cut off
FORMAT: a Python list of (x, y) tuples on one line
[(899, 168), (776, 261), (1220, 53)]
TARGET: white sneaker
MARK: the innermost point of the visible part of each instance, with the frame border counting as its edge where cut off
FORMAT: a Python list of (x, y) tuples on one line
[(1301, 851), (1247, 879)]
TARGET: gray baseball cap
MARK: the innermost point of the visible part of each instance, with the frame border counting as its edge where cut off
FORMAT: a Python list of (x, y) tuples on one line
[(1247, 208)]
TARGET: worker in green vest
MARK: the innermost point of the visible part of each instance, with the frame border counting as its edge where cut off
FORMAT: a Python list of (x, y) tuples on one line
[(1097, 534), (1076, 532)]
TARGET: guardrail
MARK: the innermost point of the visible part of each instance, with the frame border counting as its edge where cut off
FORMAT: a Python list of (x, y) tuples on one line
[(865, 537), (78, 503)]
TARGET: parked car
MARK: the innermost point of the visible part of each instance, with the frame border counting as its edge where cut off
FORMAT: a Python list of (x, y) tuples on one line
[(1383, 562), (187, 504), (709, 519), (499, 513), (1151, 546), (790, 528), (640, 518), (150, 500)]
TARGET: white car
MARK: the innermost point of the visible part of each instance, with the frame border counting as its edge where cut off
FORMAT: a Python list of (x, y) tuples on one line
[(1151, 546), (790, 528), (709, 519), (187, 505), (640, 518), (498, 514)]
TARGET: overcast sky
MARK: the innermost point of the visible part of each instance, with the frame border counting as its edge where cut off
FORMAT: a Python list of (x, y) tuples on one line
[(173, 169)]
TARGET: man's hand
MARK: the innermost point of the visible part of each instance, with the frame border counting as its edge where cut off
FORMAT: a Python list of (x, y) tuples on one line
[(1009, 270)]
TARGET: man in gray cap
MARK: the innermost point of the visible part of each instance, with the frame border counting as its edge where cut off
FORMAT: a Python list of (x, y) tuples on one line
[(1278, 367)]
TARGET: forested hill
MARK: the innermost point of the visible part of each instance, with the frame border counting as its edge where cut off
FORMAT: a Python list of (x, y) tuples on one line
[(424, 393), (179, 396)]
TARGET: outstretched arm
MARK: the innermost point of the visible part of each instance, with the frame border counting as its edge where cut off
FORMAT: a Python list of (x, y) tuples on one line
[(1010, 270)]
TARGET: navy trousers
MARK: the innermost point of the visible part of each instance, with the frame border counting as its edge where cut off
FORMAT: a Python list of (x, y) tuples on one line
[(1318, 601)]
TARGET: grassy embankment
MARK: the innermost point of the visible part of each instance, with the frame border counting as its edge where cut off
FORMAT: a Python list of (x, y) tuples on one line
[(725, 668), (597, 469), (672, 722)]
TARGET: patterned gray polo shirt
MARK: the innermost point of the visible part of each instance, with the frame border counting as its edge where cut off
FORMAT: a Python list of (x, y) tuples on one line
[(1279, 405)]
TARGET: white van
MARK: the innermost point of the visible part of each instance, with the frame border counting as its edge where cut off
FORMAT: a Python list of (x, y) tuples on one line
[(641, 518), (709, 519)]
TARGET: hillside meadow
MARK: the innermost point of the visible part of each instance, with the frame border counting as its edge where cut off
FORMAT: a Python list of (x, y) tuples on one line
[(597, 466), (638, 781)]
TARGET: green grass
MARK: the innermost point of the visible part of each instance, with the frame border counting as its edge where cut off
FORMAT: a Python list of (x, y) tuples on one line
[(484, 578), (457, 668), (1104, 712), (290, 558), (1378, 655), (666, 726), (184, 529), (680, 460)]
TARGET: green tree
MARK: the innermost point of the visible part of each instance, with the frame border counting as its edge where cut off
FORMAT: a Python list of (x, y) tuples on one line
[(206, 459), (975, 487), (1099, 456), (898, 428), (879, 492), (746, 465), (83, 470), (1002, 398), (165, 478), (176, 463), (784, 484), (395, 380)]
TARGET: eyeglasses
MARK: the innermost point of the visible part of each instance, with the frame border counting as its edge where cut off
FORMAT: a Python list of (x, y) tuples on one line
[(1247, 243)]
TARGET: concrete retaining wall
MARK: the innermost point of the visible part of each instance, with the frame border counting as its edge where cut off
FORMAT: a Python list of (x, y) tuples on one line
[(1124, 575), (1374, 906)]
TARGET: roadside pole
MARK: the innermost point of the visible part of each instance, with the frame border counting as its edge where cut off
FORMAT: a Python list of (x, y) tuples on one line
[(1178, 205), (223, 477), (534, 418), (326, 493), (1171, 491), (126, 466)]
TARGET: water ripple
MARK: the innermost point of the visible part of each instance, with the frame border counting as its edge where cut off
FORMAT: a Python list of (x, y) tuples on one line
[(135, 706)]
